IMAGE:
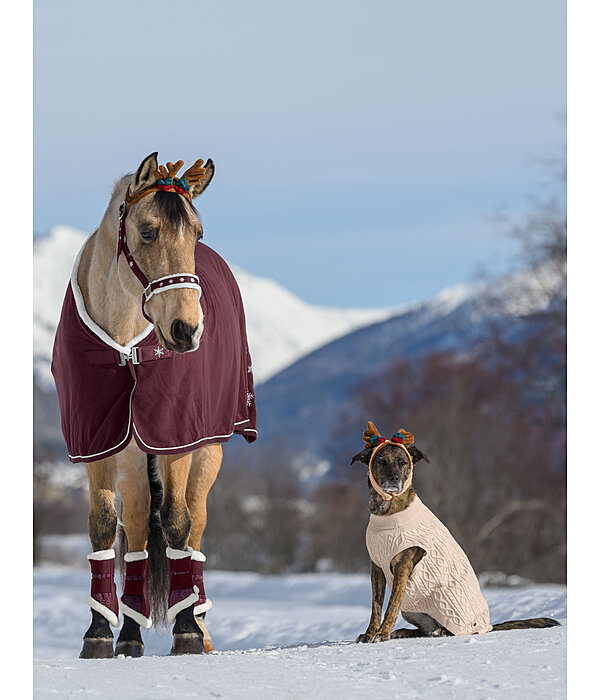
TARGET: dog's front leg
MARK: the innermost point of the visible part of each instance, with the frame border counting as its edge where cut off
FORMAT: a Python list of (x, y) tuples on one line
[(402, 566), (378, 590)]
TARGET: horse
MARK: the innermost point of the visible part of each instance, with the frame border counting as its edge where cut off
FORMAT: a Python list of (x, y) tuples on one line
[(150, 385)]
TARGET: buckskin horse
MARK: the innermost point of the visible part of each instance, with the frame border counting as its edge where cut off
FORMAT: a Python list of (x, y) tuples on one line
[(153, 374)]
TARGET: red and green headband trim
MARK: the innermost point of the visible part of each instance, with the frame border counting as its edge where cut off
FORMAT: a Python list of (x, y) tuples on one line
[(400, 438), (179, 185)]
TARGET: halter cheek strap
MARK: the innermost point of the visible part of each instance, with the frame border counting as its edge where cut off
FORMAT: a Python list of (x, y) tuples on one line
[(373, 480), (177, 280)]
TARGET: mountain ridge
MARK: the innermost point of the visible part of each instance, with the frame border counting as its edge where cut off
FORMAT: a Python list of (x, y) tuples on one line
[(274, 342)]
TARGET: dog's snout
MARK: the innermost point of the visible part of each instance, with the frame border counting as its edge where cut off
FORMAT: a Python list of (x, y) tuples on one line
[(182, 332)]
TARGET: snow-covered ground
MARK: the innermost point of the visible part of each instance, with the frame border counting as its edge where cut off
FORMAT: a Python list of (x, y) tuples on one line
[(292, 637)]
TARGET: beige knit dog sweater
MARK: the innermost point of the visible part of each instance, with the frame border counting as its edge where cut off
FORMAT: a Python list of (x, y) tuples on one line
[(443, 584)]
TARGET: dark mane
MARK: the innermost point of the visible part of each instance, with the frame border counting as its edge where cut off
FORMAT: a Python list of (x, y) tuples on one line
[(172, 208)]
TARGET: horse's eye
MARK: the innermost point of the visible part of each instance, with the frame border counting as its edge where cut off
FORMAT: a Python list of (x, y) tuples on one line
[(199, 233), (149, 234)]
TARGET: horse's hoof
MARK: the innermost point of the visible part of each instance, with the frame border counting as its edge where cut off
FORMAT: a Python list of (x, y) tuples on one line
[(208, 645), (187, 643), (129, 648), (97, 648)]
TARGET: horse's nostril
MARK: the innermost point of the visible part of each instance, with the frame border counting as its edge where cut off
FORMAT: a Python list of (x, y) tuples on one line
[(181, 331)]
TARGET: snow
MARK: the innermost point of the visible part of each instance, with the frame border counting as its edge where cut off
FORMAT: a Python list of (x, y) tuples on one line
[(291, 636), (281, 327)]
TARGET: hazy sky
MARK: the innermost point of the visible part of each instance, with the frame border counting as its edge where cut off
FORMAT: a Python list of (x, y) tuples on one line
[(360, 147)]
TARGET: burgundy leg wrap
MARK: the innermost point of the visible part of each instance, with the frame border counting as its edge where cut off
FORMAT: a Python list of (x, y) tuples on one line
[(198, 580), (103, 595), (203, 603), (181, 587), (134, 601)]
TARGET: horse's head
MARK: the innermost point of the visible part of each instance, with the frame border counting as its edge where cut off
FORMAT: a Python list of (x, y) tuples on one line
[(162, 230)]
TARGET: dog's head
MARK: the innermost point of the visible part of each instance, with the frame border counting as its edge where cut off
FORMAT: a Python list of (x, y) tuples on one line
[(391, 466), (390, 461)]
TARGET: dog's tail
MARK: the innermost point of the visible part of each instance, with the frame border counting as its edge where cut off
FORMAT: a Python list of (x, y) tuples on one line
[(532, 623)]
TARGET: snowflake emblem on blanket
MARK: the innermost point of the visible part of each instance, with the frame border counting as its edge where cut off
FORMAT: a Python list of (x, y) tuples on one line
[(158, 351), (249, 398)]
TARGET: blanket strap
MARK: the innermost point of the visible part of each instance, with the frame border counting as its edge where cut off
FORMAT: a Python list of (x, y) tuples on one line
[(139, 354)]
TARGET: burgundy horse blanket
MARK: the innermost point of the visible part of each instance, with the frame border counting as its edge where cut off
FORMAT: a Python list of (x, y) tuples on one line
[(168, 402)]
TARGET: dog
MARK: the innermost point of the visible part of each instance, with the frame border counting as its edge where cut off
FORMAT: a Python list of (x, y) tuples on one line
[(430, 577)]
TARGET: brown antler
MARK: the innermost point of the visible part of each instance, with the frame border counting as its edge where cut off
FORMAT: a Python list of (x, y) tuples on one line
[(174, 169), (195, 173), (170, 171), (408, 437), (371, 430)]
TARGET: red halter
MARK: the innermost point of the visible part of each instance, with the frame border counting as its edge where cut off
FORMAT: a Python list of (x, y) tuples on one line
[(177, 280)]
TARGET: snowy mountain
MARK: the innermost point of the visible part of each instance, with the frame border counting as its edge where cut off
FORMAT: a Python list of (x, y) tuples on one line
[(308, 360), (281, 327), (319, 387)]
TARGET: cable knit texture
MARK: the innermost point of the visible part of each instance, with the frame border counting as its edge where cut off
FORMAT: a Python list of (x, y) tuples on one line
[(443, 584)]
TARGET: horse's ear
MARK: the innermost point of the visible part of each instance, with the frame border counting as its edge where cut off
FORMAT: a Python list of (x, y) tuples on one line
[(145, 174), (363, 456), (198, 188), (417, 455)]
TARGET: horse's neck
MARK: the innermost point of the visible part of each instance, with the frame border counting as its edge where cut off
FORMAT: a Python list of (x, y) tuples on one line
[(106, 300)]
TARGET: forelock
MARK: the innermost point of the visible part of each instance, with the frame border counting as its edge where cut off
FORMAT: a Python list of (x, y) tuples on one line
[(173, 209)]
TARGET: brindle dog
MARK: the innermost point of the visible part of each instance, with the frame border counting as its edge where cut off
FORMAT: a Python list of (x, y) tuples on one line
[(391, 469)]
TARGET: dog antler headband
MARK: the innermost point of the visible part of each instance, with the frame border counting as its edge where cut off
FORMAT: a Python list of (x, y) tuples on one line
[(372, 438)]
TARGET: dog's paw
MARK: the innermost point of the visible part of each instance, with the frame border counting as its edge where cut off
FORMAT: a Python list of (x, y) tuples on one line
[(364, 638), (405, 634), (380, 637)]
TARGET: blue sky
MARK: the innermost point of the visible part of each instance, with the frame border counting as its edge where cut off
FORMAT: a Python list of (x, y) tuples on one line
[(360, 148)]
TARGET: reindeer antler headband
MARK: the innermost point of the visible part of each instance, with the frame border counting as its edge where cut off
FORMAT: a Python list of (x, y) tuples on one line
[(372, 438), (167, 180)]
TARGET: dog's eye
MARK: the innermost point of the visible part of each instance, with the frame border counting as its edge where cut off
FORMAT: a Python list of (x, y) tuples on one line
[(149, 234)]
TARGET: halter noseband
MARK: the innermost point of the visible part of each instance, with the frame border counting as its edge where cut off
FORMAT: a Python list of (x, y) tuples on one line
[(177, 280), (396, 440)]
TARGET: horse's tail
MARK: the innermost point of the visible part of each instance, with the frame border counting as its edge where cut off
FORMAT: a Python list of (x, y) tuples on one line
[(158, 570), (534, 622)]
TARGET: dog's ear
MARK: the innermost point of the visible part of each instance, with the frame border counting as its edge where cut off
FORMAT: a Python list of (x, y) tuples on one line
[(363, 456), (417, 455)]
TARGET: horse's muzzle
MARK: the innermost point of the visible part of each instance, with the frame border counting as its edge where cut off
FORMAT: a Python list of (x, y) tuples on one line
[(185, 338)]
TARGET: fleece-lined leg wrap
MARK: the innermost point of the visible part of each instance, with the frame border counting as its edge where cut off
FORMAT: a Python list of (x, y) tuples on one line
[(182, 592), (197, 565), (134, 601), (103, 595)]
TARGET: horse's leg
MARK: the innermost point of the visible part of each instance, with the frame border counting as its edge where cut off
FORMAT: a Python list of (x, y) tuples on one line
[(102, 527), (206, 463), (175, 521), (132, 482)]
